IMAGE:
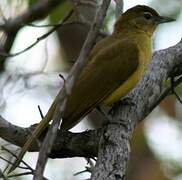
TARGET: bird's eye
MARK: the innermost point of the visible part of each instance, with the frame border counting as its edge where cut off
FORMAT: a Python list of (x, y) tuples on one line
[(147, 15)]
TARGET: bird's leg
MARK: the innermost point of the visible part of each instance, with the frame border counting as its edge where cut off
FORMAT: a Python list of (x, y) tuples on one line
[(126, 101)]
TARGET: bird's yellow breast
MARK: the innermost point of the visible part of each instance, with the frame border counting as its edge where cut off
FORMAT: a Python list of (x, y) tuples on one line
[(144, 46)]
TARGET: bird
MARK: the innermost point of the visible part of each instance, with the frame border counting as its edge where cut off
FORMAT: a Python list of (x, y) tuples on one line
[(114, 67)]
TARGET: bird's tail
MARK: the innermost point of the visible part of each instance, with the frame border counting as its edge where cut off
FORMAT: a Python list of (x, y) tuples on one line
[(35, 134)]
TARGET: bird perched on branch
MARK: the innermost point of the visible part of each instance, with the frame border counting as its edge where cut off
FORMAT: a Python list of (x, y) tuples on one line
[(114, 67)]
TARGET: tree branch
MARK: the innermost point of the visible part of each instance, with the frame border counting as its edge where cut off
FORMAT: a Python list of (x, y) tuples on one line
[(67, 144)]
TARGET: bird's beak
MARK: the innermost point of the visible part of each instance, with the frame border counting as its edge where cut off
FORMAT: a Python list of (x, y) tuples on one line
[(162, 19)]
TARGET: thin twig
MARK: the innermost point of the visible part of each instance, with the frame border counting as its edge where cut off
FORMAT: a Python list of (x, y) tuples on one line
[(2, 175), (37, 11), (177, 96), (167, 91), (43, 25), (32, 171), (7, 150), (20, 174), (4, 54), (40, 111), (9, 162), (62, 77)]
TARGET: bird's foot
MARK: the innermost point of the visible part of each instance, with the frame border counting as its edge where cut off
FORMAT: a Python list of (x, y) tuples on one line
[(127, 101)]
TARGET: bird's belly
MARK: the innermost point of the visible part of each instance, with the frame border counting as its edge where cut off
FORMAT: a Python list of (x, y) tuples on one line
[(127, 86)]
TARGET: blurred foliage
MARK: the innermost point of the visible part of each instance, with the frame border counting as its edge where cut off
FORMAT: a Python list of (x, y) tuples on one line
[(143, 165), (60, 11), (31, 2)]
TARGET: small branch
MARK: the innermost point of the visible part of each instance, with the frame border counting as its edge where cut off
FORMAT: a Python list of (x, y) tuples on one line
[(40, 112), (20, 174), (62, 97), (43, 25), (14, 155), (10, 163), (2, 176), (38, 11), (165, 92), (177, 97), (39, 38)]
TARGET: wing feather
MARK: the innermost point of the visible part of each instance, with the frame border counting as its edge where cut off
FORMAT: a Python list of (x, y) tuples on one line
[(102, 75)]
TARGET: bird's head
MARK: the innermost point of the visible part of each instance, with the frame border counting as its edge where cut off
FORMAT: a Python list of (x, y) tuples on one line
[(141, 17)]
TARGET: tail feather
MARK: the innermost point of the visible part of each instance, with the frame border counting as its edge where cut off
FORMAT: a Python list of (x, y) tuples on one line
[(36, 133)]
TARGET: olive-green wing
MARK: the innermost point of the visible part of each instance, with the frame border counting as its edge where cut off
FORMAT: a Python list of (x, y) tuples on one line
[(103, 74)]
